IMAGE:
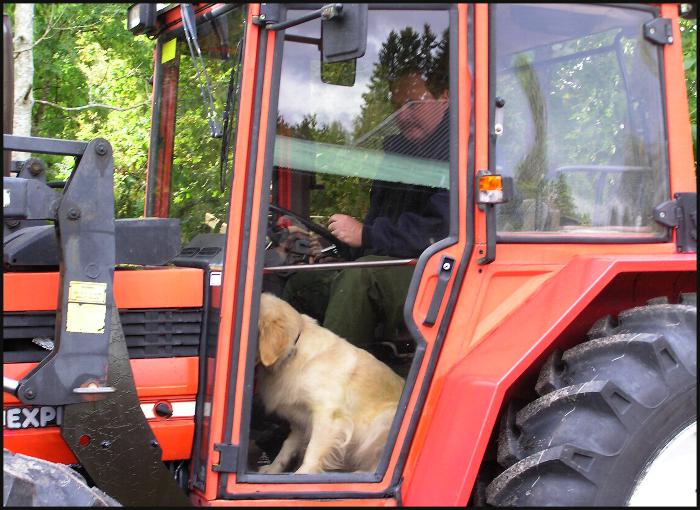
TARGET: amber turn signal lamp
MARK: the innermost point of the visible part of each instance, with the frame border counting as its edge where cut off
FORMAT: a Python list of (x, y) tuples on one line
[(493, 188)]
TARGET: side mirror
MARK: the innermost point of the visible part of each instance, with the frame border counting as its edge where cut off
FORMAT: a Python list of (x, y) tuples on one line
[(344, 37), (339, 73)]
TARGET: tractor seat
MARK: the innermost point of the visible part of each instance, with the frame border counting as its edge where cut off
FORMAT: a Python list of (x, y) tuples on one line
[(398, 353)]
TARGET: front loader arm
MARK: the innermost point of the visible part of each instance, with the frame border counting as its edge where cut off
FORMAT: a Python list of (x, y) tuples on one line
[(76, 369), (88, 370)]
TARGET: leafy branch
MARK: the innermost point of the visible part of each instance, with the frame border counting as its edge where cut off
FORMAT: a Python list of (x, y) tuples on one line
[(91, 105), (50, 26)]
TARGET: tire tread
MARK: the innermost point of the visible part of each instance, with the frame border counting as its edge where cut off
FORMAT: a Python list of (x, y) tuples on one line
[(593, 396)]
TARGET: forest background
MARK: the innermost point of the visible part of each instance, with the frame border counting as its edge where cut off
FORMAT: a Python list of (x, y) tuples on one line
[(92, 78)]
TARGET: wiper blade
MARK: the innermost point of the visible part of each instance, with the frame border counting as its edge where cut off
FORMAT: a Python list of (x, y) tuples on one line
[(190, 27), (230, 114)]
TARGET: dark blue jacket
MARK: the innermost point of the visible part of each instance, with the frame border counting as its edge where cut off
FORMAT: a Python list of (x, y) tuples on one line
[(404, 219)]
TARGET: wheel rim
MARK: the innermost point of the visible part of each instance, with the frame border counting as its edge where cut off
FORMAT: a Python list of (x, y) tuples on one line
[(670, 478)]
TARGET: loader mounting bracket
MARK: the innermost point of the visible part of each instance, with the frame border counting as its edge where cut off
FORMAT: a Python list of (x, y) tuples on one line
[(76, 369)]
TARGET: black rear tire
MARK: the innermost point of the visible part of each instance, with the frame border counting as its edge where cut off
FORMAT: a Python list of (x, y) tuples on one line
[(607, 407), (29, 481)]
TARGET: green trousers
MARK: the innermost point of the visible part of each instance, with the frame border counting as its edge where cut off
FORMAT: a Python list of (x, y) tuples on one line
[(360, 304)]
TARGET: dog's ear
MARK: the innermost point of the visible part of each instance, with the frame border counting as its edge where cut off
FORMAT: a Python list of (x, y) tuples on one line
[(280, 325)]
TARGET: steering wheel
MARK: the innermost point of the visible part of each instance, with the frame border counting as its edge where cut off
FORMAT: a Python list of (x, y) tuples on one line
[(336, 247)]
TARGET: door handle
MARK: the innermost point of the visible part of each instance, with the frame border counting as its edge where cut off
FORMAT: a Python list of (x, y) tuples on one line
[(444, 274)]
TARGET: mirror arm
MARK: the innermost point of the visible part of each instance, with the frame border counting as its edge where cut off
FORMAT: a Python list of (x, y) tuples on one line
[(326, 12), (316, 41)]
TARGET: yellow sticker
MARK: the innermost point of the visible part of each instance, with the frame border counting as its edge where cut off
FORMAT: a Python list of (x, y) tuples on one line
[(86, 318), (168, 51), (87, 292)]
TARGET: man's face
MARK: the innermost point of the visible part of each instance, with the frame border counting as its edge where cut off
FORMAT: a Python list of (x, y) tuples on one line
[(420, 112)]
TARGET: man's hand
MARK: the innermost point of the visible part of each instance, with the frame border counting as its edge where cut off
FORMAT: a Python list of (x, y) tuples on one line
[(347, 229)]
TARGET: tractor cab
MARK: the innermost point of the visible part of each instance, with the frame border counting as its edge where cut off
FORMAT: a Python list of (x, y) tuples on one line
[(383, 134), (460, 192)]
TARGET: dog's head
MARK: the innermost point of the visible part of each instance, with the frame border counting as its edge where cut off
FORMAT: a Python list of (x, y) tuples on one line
[(280, 325)]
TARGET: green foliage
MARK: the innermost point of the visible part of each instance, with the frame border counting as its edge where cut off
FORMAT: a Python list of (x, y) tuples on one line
[(195, 187), (85, 55), (689, 35)]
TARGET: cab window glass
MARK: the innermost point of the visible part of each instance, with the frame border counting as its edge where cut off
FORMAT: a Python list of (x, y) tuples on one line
[(376, 151), (338, 138), (583, 133), (195, 196), (359, 189)]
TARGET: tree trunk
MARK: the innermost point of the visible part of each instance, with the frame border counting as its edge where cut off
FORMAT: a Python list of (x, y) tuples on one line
[(24, 72), (8, 88)]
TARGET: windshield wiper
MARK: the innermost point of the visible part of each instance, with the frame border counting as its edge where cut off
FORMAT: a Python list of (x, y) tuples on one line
[(230, 114), (190, 26)]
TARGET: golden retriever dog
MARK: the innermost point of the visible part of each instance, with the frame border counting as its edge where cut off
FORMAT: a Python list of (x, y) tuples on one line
[(338, 399)]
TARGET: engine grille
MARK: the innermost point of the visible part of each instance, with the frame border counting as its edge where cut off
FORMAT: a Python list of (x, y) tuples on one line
[(152, 333)]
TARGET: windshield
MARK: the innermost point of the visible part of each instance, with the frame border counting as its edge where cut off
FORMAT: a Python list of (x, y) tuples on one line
[(194, 195)]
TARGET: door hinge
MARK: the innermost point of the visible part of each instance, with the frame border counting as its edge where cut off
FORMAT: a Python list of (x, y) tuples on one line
[(659, 31), (228, 458), (269, 14), (681, 213)]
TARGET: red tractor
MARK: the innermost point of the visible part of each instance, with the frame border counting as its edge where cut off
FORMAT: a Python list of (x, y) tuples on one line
[(545, 328)]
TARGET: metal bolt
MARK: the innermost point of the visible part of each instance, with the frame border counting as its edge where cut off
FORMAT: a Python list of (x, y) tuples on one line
[(101, 149), (106, 444), (662, 214), (446, 266), (329, 12), (669, 40), (29, 393), (35, 168), (154, 443), (73, 213), (262, 17), (92, 271), (652, 30)]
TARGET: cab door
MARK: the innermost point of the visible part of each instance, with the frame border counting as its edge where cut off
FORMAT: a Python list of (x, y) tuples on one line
[(373, 139)]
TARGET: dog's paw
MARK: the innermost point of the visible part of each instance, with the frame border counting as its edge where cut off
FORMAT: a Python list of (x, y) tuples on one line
[(269, 469), (308, 469)]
